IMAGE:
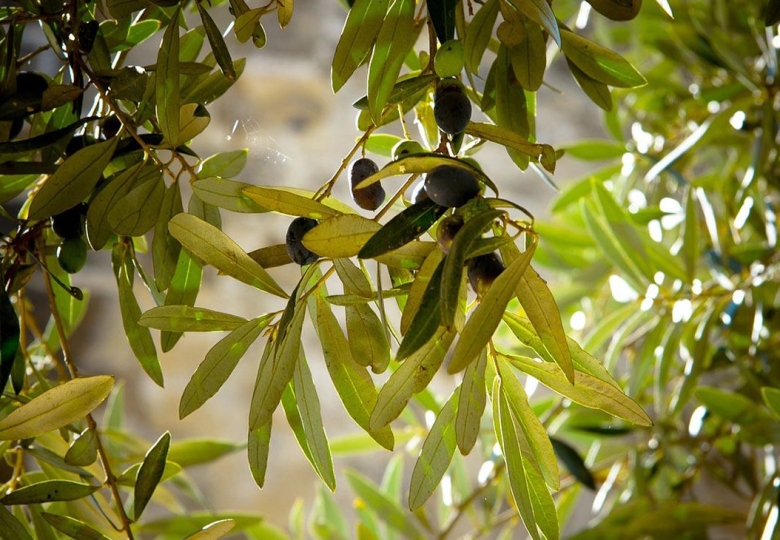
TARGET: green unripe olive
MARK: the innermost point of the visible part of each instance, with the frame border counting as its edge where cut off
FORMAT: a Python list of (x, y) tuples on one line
[(406, 148), (451, 186), (449, 59), (483, 271), (370, 197), (70, 223), (299, 253), (72, 254), (451, 107), (447, 230), (617, 10)]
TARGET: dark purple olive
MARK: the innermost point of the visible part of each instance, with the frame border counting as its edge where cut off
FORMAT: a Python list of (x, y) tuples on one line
[(77, 143), (16, 128), (447, 230), (295, 248), (451, 107), (367, 198), (70, 223), (110, 127), (31, 83), (451, 186), (419, 194), (483, 271)]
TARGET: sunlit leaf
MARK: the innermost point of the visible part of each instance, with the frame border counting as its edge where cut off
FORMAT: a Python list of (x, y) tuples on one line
[(478, 34), (168, 98), (213, 531), (189, 319), (600, 63), (150, 473), (218, 46), (56, 407), (472, 400), (402, 229), (48, 491), (357, 38), (288, 202), (541, 13), (227, 194), (72, 527), (340, 236)]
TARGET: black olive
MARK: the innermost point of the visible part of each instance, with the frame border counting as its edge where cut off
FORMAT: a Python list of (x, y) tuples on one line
[(451, 186), (70, 223), (447, 230), (483, 271), (294, 240), (371, 197), (451, 107)]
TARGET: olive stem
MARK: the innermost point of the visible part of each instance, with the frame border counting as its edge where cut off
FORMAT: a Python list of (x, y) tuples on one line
[(91, 424), (327, 187), (395, 197)]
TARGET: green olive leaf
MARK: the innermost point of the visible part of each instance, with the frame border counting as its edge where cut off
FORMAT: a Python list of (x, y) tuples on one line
[(150, 473), (402, 90), (165, 248), (138, 211), (367, 337), (541, 13), (56, 407), (72, 527), (486, 317), (418, 288), (427, 319), (271, 256), (167, 95), (73, 181), (573, 462), (402, 229), (182, 291), (189, 319), (529, 58), (353, 383), (218, 46), (599, 63), (219, 364), (544, 153), (478, 34), (344, 235), (83, 451), (49, 491), (357, 38), (587, 390), (472, 401), (435, 455), (214, 247), (411, 377), (288, 202), (392, 45), (284, 11), (227, 194)]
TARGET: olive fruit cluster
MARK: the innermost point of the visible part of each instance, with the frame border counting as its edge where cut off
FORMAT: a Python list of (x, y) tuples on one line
[(370, 197), (299, 253), (451, 107), (69, 225)]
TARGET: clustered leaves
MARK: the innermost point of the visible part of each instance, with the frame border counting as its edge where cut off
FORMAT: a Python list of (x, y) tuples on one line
[(100, 149)]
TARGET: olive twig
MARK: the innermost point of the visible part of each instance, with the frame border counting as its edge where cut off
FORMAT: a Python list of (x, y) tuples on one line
[(111, 480), (395, 197), (327, 187)]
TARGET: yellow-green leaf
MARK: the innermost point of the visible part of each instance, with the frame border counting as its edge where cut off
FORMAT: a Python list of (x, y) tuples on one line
[(214, 247), (213, 531), (72, 181), (49, 491), (543, 153), (485, 318), (435, 455), (599, 63), (287, 202), (56, 407), (472, 401), (478, 34), (340, 236), (166, 79), (189, 319), (227, 194), (218, 48), (357, 37), (284, 11)]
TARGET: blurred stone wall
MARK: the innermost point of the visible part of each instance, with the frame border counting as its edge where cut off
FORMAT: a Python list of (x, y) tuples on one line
[(282, 108)]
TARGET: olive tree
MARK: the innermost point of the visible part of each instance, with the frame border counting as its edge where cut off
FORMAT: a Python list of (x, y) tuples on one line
[(669, 253)]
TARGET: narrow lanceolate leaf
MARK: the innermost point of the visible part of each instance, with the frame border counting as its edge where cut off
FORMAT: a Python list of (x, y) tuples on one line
[(402, 229), (485, 318), (287, 202), (218, 46), (284, 11), (357, 37), (353, 383), (574, 463), (138, 211), (542, 310), (599, 63), (435, 455), (533, 499), (541, 13), (423, 163), (72, 528), (183, 290), (139, 337), (49, 491), (214, 247), (214, 531), (543, 153), (165, 248), (150, 473), (219, 363), (257, 452), (84, 450), (308, 405), (189, 319), (587, 390), (410, 378), (9, 337), (11, 526), (535, 433), (276, 370), (427, 319), (471, 407), (167, 81), (478, 34), (385, 508), (341, 236), (452, 271), (227, 194), (597, 91), (529, 58), (56, 407), (73, 180), (392, 45), (367, 337), (418, 288)]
